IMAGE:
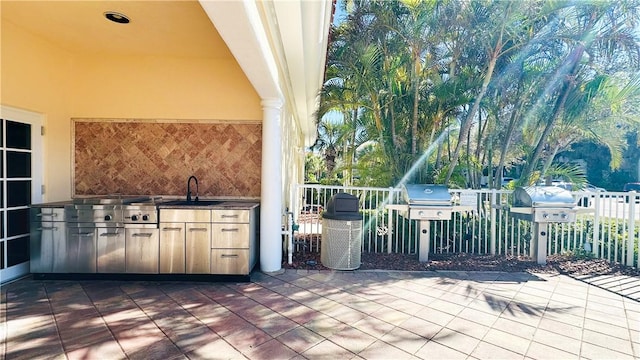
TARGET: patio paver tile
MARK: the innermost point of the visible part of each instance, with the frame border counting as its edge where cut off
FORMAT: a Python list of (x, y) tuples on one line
[(300, 339), (271, 350), (489, 351), (542, 351), (607, 341), (508, 341), (373, 326), (435, 350), (557, 341), (592, 351), (456, 340), (468, 327), (217, 349), (479, 317), (405, 340), (559, 327), (384, 351), (327, 350), (619, 331), (421, 327), (352, 339)]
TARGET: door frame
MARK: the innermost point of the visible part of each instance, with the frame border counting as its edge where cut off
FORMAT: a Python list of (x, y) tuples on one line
[(36, 120)]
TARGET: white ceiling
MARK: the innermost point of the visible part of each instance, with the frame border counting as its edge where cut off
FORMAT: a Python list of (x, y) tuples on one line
[(157, 28)]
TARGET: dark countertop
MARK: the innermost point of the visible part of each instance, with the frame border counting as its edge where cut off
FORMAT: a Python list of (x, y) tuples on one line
[(222, 205), (55, 204)]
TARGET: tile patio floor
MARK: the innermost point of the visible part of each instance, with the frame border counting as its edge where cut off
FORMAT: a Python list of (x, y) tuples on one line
[(322, 315)]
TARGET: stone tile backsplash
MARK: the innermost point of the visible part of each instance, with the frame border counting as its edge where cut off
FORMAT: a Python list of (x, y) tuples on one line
[(141, 157)]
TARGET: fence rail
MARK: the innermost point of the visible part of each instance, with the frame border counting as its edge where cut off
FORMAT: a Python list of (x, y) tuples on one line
[(607, 227)]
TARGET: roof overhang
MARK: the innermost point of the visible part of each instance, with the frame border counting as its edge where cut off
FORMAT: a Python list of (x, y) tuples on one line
[(281, 47)]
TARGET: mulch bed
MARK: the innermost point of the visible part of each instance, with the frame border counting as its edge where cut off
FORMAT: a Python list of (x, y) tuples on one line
[(565, 264)]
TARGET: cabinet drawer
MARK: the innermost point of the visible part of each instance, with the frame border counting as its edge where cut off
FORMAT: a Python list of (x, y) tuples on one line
[(234, 216), (230, 235), (230, 261), (185, 215)]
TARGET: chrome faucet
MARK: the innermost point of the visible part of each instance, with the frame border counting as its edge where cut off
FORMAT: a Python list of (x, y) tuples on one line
[(189, 188)]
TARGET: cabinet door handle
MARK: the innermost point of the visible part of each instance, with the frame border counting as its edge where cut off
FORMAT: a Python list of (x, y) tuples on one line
[(142, 235), (47, 228), (198, 229), (52, 215), (85, 234), (110, 234), (230, 230), (229, 216), (171, 229), (229, 256)]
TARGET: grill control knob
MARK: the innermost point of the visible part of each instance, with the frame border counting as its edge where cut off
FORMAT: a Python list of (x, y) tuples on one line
[(145, 217), (545, 216), (134, 217), (107, 218)]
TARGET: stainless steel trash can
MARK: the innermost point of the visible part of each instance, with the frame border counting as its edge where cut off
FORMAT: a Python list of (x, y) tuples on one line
[(341, 245)]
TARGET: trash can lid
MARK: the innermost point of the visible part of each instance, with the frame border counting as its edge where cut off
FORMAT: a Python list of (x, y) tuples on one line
[(342, 206)]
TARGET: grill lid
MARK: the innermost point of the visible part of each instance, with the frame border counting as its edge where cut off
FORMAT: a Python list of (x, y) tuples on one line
[(426, 194), (542, 196)]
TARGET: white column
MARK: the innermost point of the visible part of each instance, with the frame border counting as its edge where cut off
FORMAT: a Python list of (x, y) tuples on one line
[(271, 188)]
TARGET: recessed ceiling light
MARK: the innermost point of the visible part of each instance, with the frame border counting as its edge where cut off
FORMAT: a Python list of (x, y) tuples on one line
[(117, 17)]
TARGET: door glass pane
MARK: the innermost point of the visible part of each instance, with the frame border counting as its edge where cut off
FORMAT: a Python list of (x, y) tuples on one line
[(17, 250), (1, 163), (1, 137), (18, 193), (1, 198), (17, 222), (18, 164), (2, 243), (2, 224), (18, 135)]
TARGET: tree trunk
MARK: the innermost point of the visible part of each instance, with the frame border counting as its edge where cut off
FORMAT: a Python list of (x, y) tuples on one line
[(468, 121), (572, 60)]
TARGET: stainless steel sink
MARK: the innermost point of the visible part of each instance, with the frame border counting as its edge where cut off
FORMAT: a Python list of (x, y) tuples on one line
[(193, 203)]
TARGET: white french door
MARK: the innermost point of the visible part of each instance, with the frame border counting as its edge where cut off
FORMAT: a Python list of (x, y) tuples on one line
[(20, 186)]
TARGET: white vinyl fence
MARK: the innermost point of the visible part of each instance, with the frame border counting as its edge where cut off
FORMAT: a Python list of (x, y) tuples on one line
[(607, 227)]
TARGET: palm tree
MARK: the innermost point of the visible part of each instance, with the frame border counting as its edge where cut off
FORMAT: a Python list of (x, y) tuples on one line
[(597, 30)]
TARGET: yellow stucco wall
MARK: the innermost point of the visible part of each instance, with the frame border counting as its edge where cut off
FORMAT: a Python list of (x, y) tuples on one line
[(160, 87), (38, 76)]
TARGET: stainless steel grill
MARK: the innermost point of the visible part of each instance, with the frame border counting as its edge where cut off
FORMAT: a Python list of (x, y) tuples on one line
[(98, 229), (427, 202), (543, 205), (423, 203)]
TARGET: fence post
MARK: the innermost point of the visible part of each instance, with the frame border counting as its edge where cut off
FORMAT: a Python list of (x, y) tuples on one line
[(390, 200), (493, 221), (595, 242), (631, 228)]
